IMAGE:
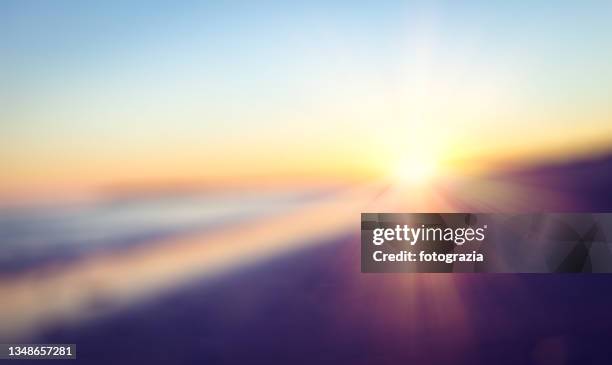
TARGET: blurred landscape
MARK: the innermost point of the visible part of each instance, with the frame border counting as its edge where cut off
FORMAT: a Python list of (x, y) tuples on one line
[(183, 183), (247, 277)]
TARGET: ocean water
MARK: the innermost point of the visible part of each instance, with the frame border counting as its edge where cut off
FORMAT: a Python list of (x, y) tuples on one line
[(37, 236)]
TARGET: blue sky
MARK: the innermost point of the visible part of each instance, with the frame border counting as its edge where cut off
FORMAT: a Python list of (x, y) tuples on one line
[(93, 83)]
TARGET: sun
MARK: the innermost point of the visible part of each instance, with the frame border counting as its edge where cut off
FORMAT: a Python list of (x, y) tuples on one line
[(416, 169)]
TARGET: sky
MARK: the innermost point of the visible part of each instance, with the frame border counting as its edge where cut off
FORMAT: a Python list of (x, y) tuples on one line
[(101, 93)]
